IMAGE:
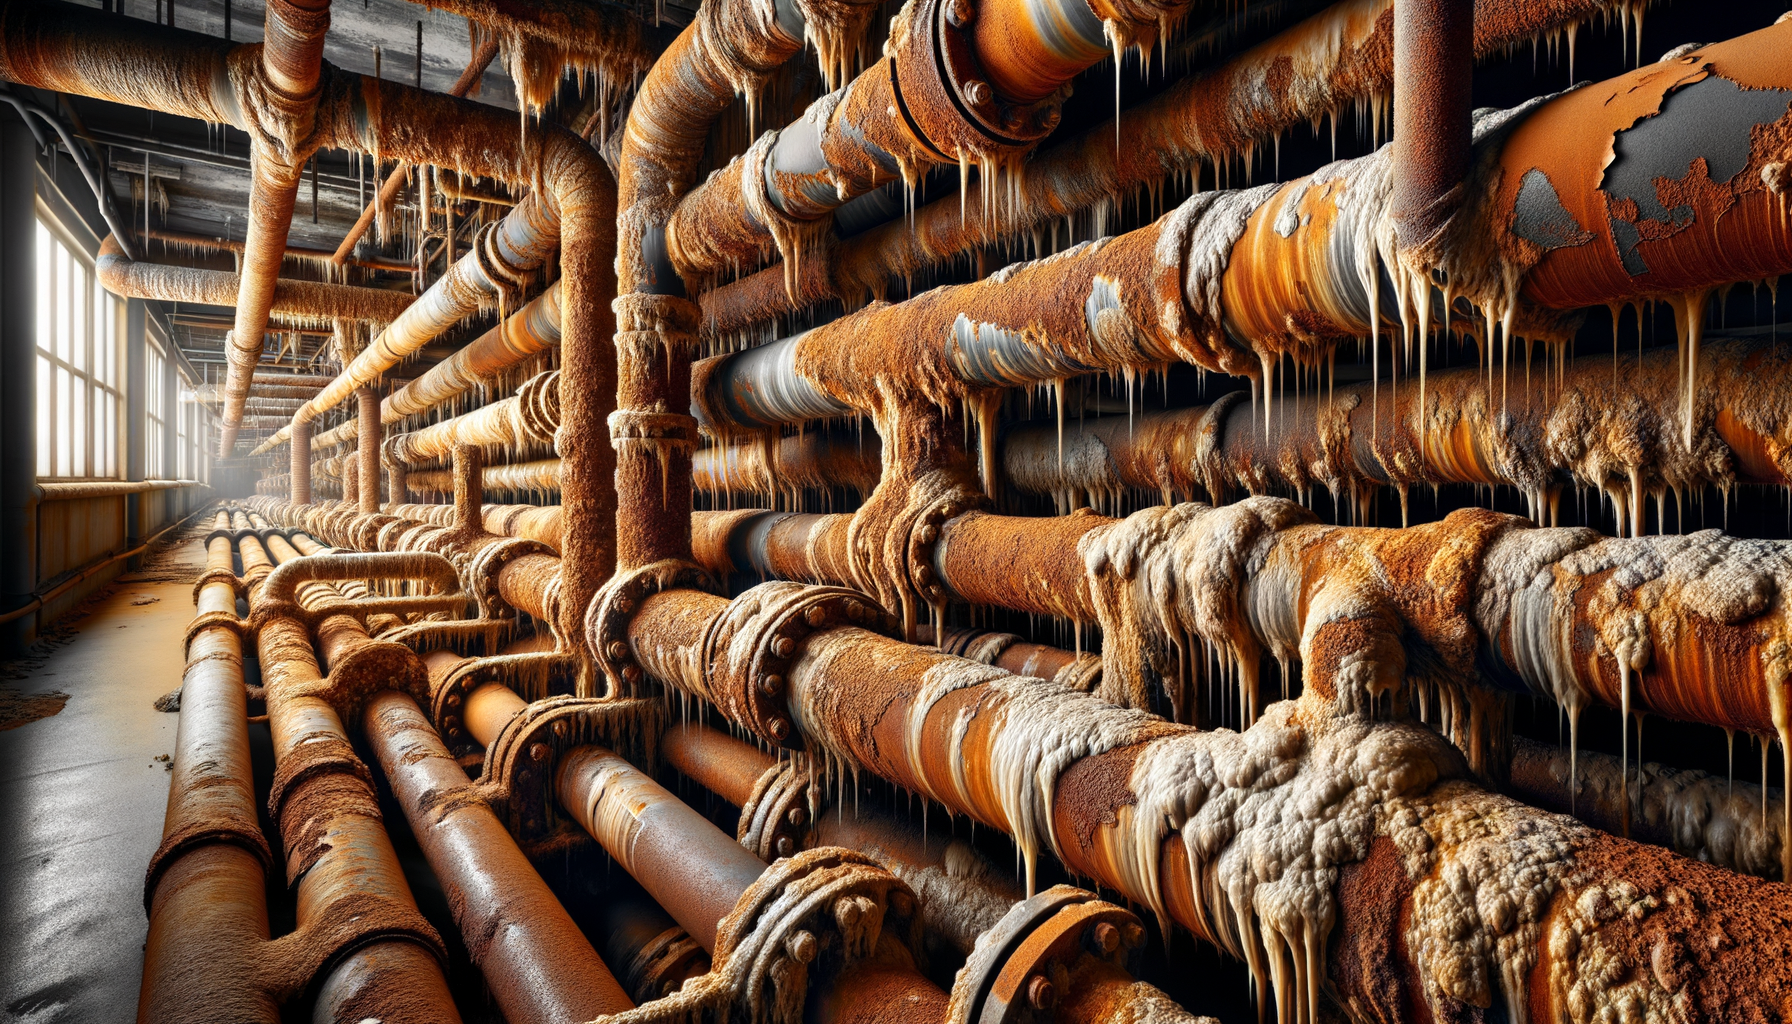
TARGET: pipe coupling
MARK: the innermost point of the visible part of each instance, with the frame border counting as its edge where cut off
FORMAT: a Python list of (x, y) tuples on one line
[(522, 763), (608, 617), (946, 97), (749, 649)]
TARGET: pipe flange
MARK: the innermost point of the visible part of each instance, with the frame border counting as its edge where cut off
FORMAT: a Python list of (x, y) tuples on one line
[(657, 432), (488, 562), (520, 764), (663, 965), (923, 542), (749, 649), (776, 819), (946, 97), (450, 694), (1020, 966), (810, 915), (607, 620)]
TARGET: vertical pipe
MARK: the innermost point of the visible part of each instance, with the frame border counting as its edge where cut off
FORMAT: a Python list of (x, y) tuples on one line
[(1433, 78), (369, 450), (469, 488), (300, 469), (18, 373), (351, 481), (292, 59)]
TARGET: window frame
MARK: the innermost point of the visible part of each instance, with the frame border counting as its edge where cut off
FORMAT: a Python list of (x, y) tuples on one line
[(79, 355)]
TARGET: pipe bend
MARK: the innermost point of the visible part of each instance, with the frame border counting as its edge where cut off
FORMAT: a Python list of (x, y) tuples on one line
[(282, 584)]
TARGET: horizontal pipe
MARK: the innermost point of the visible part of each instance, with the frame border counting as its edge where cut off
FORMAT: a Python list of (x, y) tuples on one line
[(313, 300), (1209, 828), (539, 476), (1338, 57), (530, 330), (532, 414), (685, 863), (188, 242), (1235, 282)]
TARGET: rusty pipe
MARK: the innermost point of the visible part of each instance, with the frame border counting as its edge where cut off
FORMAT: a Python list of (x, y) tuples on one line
[(481, 59), (811, 460), (685, 863), (534, 413), (516, 246), (205, 884), (536, 962), (970, 737), (351, 892), (532, 329), (300, 464), (140, 279), (284, 109), (961, 894), (965, 83), (369, 409), (1340, 56), (1234, 282), (1434, 54), (539, 476)]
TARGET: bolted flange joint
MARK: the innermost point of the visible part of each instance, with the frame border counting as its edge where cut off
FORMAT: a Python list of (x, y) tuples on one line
[(607, 620), (748, 650), (520, 765)]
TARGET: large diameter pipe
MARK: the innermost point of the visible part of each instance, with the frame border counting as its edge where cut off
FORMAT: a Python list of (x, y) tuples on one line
[(1178, 819), (685, 863), (537, 964), (1340, 56), (1236, 281)]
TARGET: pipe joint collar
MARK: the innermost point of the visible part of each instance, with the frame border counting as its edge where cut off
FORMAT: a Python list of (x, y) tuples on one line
[(607, 620), (945, 96), (749, 649), (522, 763), (1043, 945)]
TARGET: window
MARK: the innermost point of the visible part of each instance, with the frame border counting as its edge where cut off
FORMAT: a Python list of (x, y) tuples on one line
[(154, 409), (80, 333)]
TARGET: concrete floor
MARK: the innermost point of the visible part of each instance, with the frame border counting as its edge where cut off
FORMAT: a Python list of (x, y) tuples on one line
[(82, 797)]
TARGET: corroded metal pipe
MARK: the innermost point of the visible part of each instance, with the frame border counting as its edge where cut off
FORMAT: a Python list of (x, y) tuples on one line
[(1208, 831), (685, 863), (965, 83), (206, 881), (135, 279), (369, 474), (1434, 55), (300, 464), (528, 331), (283, 103), (1509, 606), (534, 413), (1236, 282), (536, 962), (1341, 56), (539, 476), (811, 460)]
